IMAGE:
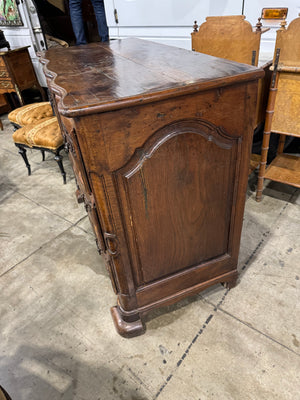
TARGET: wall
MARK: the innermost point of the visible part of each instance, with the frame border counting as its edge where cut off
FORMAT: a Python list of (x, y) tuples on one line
[(171, 21)]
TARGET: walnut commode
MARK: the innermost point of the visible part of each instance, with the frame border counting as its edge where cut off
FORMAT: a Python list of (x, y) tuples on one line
[(160, 140)]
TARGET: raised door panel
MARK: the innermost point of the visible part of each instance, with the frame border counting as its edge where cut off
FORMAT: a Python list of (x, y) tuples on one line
[(176, 195), (83, 193), (72, 147)]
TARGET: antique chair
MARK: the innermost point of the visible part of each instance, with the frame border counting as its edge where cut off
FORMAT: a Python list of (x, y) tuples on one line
[(233, 38), (37, 128), (3, 394), (282, 115), (30, 114), (230, 37)]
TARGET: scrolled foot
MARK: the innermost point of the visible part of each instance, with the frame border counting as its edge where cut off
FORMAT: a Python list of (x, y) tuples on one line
[(124, 328), (230, 284)]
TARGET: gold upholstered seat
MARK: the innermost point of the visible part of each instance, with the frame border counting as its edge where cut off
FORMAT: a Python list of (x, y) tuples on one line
[(30, 114), (44, 136), (3, 394)]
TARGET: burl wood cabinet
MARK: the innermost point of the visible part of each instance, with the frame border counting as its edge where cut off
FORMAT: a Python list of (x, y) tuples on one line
[(160, 140)]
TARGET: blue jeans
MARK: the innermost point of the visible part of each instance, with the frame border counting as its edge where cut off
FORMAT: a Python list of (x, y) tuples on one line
[(77, 20)]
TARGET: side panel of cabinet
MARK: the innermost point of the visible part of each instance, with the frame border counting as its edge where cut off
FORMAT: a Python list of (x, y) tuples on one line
[(169, 182), (176, 195)]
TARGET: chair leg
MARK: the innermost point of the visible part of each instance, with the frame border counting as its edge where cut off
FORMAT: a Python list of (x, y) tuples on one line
[(43, 154), (22, 151), (58, 158)]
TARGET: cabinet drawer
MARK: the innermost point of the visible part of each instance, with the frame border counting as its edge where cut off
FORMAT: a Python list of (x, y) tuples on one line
[(4, 73), (2, 62), (6, 85)]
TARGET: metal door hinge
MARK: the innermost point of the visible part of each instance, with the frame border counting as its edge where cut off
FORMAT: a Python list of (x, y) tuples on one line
[(89, 201)]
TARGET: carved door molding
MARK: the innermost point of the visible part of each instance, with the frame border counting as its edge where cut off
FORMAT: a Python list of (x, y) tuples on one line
[(176, 196)]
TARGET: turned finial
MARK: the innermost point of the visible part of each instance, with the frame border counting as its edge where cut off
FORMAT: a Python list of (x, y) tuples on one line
[(282, 25), (195, 26), (258, 25)]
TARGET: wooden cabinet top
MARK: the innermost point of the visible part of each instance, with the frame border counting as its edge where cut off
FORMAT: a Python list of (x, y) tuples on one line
[(103, 76)]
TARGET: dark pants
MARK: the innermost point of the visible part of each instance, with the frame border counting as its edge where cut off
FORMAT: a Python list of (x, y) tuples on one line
[(77, 20)]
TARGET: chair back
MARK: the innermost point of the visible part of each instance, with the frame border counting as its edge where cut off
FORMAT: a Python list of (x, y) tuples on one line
[(230, 37)]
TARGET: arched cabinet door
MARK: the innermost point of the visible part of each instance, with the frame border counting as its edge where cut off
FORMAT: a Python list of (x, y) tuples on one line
[(176, 195)]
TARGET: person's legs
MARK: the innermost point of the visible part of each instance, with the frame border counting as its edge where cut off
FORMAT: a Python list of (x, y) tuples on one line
[(77, 21), (101, 19)]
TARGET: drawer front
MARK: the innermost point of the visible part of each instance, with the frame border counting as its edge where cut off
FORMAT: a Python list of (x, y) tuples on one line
[(104, 248), (4, 73), (6, 84), (2, 62)]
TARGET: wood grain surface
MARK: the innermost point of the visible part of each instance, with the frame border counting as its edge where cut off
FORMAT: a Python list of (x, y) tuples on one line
[(98, 77), (230, 37)]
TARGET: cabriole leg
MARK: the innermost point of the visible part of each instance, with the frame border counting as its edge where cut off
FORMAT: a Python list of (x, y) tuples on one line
[(125, 328), (58, 158), (22, 151)]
